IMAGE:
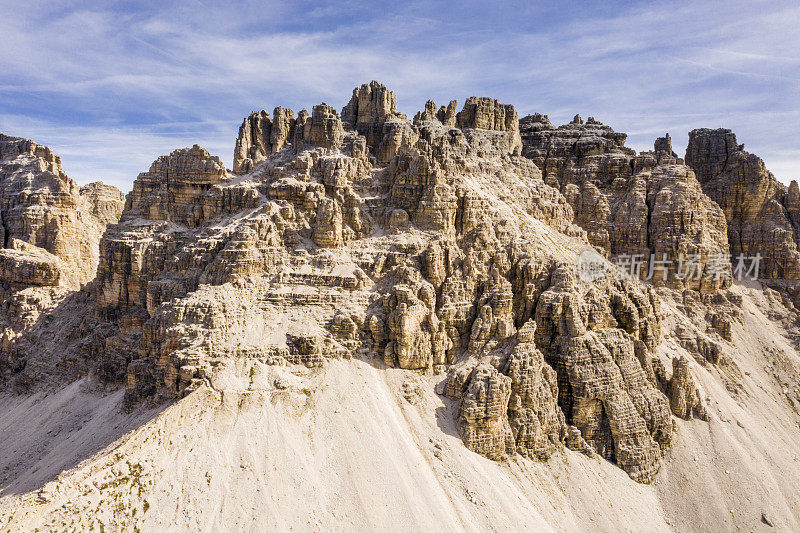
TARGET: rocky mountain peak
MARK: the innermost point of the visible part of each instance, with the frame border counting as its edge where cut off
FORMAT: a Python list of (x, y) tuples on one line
[(44, 214), (709, 151), (664, 145), (762, 218), (371, 103), (13, 147), (527, 284)]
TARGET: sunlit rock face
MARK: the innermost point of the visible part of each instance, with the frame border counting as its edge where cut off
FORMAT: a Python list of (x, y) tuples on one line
[(648, 205), (43, 207), (447, 245), (432, 245), (50, 231), (763, 214)]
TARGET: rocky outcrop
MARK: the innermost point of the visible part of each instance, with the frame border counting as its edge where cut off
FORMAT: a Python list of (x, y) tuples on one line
[(260, 136), (664, 145), (584, 362), (490, 115), (763, 215), (685, 400), (708, 151), (600, 343), (50, 232), (536, 420), (446, 115), (482, 421), (105, 202), (41, 206), (24, 265), (372, 112), (634, 206), (325, 127), (172, 190)]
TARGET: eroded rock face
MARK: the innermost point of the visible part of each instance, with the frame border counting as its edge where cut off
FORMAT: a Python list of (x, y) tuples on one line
[(105, 202), (490, 115), (483, 423), (325, 127), (261, 135), (172, 190), (684, 397), (50, 232), (762, 214), (22, 264), (372, 112), (600, 343), (41, 206), (447, 246), (536, 420), (642, 205)]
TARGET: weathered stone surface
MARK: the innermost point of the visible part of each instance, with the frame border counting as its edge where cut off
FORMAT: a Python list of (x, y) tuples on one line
[(600, 344), (325, 127), (664, 144), (619, 413), (105, 202), (434, 246), (372, 103), (482, 421), (444, 115), (50, 231), (536, 420), (762, 214), (415, 336), (487, 114), (685, 400), (24, 264), (172, 190), (253, 143), (372, 112), (632, 205), (480, 113), (260, 136), (42, 206)]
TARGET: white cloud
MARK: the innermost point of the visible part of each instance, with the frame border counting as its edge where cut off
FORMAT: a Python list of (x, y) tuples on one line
[(111, 90), (117, 155)]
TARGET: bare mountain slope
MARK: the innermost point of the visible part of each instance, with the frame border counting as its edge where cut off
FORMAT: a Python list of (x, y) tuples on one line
[(343, 447)]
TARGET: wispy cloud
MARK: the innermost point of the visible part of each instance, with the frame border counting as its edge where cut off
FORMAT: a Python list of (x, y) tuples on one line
[(111, 88)]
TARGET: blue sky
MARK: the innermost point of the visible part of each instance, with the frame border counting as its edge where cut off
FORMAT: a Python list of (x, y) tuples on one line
[(112, 85)]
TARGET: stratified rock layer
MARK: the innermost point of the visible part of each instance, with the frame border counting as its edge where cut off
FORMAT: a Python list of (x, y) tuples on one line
[(50, 231), (22, 264), (630, 205), (763, 214), (430, 246), (41, 206), (445, 245)]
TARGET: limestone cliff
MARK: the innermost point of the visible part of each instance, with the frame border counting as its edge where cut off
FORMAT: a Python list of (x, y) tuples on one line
[(445, 246), (630, 204), (50, 230), (41, 206), (763, 215), (431, 245)]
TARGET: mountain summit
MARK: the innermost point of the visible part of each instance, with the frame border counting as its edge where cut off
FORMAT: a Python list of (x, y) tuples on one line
[(464, 320)]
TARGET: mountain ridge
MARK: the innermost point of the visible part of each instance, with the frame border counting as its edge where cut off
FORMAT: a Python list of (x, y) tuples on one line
[(444, 251)]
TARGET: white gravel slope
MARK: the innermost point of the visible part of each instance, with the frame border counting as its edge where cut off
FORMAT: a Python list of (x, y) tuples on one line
[(341, 448)]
